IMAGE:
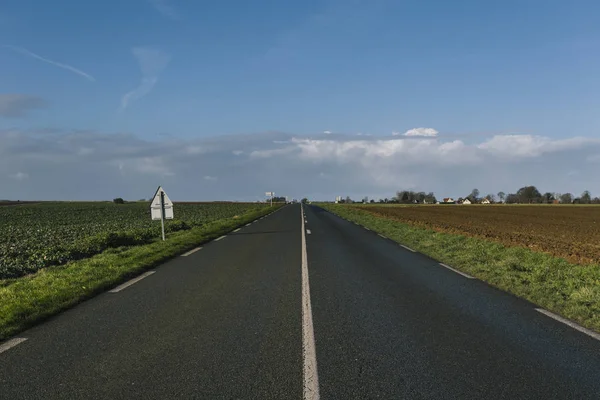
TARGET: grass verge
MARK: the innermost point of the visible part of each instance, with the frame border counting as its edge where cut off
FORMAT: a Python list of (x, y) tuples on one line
[(28, 300), (570, 290)]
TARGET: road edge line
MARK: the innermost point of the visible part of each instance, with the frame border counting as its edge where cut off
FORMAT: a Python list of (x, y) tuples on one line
[(131, 282), (457, 271), (9, 344), (408, 248), (569, 323), (191, 252)]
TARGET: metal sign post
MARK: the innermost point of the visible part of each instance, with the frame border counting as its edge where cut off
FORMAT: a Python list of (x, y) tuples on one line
[(161, 208), (271, 194), (162, 213)]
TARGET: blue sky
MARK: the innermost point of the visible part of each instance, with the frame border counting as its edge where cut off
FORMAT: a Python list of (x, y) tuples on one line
[(169, 71)]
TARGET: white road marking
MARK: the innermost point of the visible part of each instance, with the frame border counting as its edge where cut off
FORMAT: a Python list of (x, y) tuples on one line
[(238, 229), (309, 353), (131, 282), (367, 228), (569, 323), (308, 231), (9, 344), (408, 248), (249, 224), (457, 271), (382, 236), (191, 252), (219, 238)]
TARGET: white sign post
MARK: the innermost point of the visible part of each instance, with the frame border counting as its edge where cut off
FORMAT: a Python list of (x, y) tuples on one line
[(270, 194), (161, 208)]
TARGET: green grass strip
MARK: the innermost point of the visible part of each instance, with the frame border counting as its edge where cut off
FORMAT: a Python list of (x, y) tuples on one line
[(30, 299), (570, 290)]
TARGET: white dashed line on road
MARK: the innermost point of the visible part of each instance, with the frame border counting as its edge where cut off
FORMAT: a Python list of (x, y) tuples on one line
[(249, 224), (308, 232), (191, 252), (238, 229), (131, 282), (9, 344), (309, 353), (219, 238), (407, 248), (569, 323), (457, 271), (382, 236)]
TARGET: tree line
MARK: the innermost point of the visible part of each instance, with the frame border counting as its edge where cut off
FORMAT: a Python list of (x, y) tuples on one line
[(525, 195), (531, 195)]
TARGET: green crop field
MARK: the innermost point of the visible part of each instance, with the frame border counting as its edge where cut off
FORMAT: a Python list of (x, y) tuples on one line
[(36, 236)]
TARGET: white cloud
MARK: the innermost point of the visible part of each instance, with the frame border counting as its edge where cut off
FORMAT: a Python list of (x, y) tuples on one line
[(67, 67), (152, 62), (271, 153), (327, 132), (426, 132), (60, 166), (19, 176), (156, 165)]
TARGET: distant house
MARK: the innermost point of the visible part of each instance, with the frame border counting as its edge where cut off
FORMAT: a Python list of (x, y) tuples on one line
[(466, 201), (485, 201), (448, 200)]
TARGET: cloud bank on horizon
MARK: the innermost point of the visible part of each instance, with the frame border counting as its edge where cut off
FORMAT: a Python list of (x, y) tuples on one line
[(87, 165)]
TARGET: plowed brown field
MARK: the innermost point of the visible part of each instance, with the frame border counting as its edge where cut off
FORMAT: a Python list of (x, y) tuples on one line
[(570, 232)]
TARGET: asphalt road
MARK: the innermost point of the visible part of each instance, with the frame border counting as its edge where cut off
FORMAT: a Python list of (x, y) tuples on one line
[(230, 321)]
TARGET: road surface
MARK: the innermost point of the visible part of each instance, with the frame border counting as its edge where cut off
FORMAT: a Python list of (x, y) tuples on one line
[(294, 307)]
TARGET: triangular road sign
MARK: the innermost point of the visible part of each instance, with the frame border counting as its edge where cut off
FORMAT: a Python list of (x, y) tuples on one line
[(156, 199)]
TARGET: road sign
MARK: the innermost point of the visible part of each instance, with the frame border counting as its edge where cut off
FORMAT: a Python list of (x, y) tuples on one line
[(161, 208), (271, 195)]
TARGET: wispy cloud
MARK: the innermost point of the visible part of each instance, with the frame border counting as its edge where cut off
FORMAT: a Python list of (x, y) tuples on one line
[(17, 105), (163, 7), (152, 63), (31, 54)]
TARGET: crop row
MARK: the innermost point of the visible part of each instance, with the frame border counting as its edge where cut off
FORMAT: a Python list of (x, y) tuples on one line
[(40, 235)]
